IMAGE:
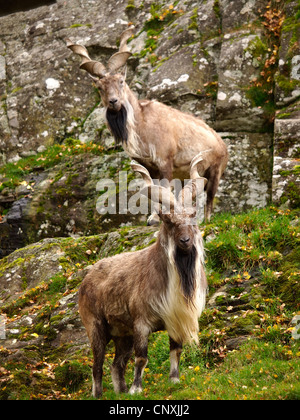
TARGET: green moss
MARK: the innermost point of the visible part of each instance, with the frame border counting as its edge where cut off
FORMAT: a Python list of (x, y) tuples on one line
[(244, 324), (283, 115), (24, 283), (291, 194), (130, 5), (265, 58), (291, 24), (194, 24), (257, 48), (160, 18), (287, 84), (71, 375), (211, 89), (80, 25), (5, 266), (17, 89), (57, 284), (292, 189), (29, 296), (14, 173), (55, 320), (294, 171), (216, 9), (291, 27), (260, 97)]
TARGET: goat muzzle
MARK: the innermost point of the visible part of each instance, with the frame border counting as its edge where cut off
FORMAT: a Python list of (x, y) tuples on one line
[(185, 244), (114, 104)]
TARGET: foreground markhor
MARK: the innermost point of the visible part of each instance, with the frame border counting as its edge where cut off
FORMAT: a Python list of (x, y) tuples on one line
[(129, 296)]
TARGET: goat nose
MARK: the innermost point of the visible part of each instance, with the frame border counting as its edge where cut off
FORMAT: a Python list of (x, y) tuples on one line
[(113, 101), (185, 239)]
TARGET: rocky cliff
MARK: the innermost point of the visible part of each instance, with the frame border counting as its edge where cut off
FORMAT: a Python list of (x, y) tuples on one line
[(234, 64)]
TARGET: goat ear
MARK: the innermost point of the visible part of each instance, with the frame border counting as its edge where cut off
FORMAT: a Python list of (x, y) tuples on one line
[(118, 60)]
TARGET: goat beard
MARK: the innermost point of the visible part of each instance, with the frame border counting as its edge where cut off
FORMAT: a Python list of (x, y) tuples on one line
[(117, 121), (185, 264)]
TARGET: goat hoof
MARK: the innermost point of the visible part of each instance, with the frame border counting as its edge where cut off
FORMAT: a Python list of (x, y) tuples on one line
[(96, 394), (135, 390), (175, 380)]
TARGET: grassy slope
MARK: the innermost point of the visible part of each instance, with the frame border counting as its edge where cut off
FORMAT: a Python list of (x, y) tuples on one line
[(252, 258)]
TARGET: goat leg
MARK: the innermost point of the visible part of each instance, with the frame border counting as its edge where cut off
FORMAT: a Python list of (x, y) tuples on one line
[(124, 348), (141, 358), (99, 342), (215, 174), (175, 352)]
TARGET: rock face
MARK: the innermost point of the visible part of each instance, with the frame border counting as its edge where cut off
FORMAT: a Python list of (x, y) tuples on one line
[(286, 184), (234, 64), (63, 200)]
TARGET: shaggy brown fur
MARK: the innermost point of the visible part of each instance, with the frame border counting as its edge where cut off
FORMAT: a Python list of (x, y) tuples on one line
[(129, 296)]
